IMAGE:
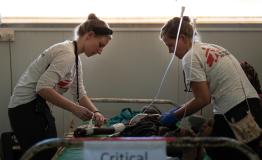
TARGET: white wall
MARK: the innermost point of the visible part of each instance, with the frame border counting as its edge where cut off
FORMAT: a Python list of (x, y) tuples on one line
[(131, 66)]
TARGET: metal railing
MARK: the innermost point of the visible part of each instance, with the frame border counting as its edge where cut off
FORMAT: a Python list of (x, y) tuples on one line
[(133, 100)]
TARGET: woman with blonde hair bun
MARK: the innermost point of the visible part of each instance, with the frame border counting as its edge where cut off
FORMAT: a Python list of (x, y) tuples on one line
[(52, 73)]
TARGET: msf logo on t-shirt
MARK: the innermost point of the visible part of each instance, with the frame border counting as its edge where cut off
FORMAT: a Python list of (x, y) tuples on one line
[(64, 84), (213, 55)]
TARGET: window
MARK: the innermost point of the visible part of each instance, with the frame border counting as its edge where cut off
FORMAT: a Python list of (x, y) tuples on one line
[(136, 9)]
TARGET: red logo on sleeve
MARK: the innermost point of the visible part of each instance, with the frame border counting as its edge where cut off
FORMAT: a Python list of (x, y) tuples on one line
[(63, 84)]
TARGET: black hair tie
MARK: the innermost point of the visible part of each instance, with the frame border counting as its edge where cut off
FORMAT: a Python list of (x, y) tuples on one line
[(103, 31)]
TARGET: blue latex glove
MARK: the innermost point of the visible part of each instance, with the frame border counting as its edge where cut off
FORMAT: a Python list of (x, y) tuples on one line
[(168, 119)]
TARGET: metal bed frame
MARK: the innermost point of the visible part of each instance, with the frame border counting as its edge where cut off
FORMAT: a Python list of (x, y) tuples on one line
[(132, 100), (178, 142)]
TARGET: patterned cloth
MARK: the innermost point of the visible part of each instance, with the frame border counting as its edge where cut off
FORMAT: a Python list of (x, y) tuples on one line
[(251, 75), (124, 116)]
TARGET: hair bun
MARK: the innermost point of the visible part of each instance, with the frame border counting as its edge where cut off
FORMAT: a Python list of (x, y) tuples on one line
[(92, 16), (186, 19)]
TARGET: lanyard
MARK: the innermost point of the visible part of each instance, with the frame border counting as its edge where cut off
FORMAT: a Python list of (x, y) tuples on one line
[(76, 62)]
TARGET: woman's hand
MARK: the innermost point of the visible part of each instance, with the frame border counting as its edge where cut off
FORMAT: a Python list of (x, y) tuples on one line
[(169, 119), (99, 119), (82, 112)]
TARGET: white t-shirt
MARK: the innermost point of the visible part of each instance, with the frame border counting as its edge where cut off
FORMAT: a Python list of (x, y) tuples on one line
[(226, 79), (54, 68)]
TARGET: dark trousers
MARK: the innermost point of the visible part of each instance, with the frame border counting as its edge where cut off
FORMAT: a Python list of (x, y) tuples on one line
[(222, 129), (33, 122)]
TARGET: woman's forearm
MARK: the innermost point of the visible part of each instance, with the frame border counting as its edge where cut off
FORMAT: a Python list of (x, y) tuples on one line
[(57, 99), (86, 102), (191, 107)]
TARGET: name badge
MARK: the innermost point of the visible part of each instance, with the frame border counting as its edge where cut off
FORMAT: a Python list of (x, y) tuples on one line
[(124, 150)]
